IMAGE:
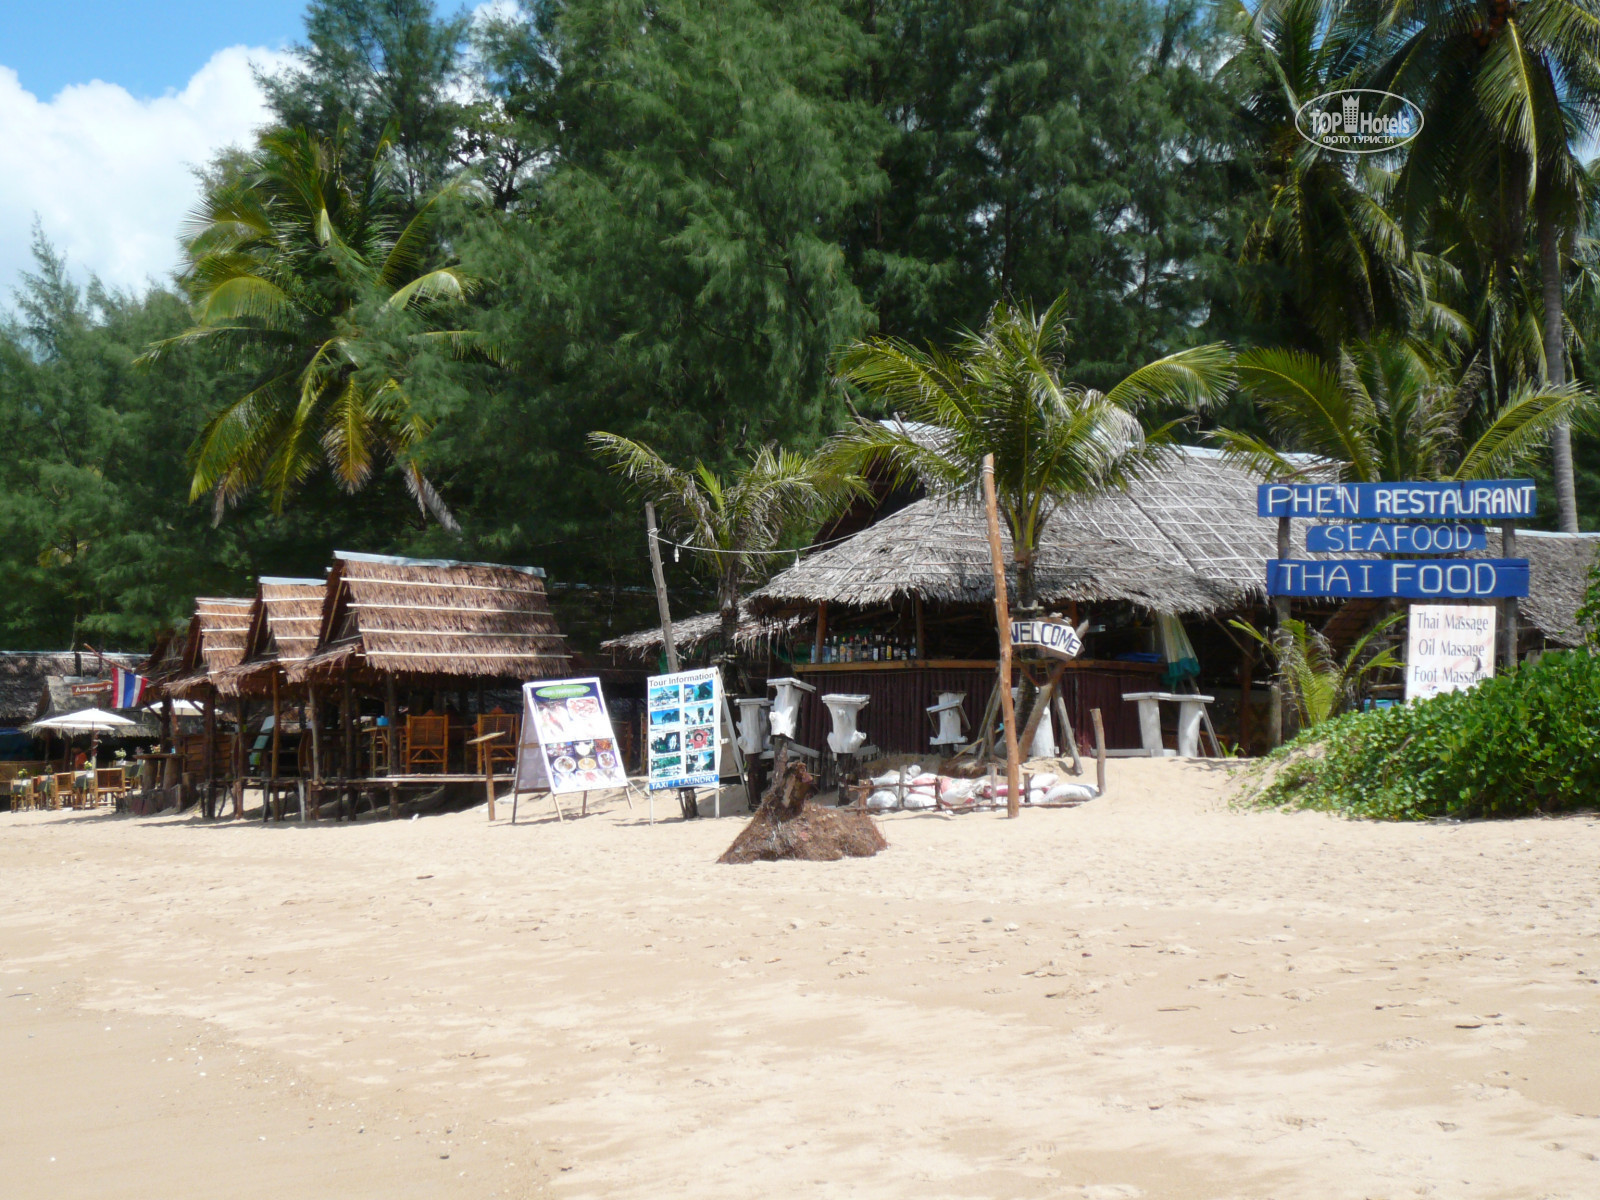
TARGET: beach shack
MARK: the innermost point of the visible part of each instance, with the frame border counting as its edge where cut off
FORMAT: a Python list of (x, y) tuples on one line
[(415, 659), (896, 603)]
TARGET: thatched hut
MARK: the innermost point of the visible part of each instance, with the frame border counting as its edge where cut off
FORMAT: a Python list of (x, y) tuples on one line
[(899, 605), (418, 634)]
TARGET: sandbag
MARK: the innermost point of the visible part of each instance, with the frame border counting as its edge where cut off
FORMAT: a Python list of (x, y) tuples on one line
[(881, 800), (1066, 793)]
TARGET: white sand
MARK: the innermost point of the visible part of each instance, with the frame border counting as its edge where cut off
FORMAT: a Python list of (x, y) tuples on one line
[(1167, 999)]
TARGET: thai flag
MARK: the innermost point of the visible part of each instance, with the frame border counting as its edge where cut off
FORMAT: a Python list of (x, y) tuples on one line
[(127, 689)]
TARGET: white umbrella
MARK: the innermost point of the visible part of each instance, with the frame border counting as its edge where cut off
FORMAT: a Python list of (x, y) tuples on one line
[(88, 720)]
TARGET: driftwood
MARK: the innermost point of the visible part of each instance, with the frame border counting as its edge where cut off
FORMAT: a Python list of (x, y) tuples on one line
[(789, 825)]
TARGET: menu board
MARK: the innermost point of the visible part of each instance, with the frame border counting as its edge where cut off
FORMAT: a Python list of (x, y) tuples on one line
[(572, 747), (681, 738)]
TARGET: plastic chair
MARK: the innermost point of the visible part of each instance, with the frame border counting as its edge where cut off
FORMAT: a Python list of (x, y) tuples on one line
[(427, 743)]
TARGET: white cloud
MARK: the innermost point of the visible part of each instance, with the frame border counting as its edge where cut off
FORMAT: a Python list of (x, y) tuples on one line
[(109, 175)]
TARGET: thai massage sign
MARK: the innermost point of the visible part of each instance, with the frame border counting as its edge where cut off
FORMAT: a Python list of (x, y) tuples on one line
[(1056, 638), (1442, 530), (1449, 647)]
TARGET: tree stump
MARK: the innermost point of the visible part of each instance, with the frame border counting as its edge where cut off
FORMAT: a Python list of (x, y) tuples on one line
[(789, 826)]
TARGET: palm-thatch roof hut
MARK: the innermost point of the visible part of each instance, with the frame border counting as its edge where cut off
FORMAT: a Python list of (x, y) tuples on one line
[(1558, 574), (215, 643), (435, 622), (283, 626)]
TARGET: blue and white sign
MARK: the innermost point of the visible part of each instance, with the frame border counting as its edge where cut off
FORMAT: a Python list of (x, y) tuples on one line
[(681, 735), (1508, 499), (1056, 638), (1396, 539), (1459, 579)]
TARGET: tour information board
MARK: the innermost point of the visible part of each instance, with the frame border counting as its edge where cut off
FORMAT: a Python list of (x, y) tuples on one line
[(681, 741), (567, 741)]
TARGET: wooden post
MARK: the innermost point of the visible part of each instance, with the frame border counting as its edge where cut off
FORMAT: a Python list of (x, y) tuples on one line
[(391, 714), (821, 638), (1002, 618), (316, 751), (488, 771), (272, 769), (1280, 637), (1041, 705), (661, 589), (916, 608), (211, 753), (240, 758), (1069, 732), (1246, 732), (347, 759), (1099, 751), (1508, 549)]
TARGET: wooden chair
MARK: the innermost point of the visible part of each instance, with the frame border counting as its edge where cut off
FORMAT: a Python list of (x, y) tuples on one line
[(501, 750), (111, 783), (64, 790), (427, 744)]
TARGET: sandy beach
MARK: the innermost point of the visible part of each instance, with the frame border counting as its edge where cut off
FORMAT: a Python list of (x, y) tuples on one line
[(1153, 995)]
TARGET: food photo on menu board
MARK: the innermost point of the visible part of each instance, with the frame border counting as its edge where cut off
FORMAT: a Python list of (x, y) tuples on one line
[(575, 737), (683, 722)]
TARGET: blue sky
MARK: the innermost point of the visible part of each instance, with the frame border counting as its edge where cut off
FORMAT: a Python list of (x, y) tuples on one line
[(105, 110), (145, 46)]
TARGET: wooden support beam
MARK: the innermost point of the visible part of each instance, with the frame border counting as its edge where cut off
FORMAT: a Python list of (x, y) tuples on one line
[(916, 606), (1280, 636), (1099, 752), (488, 769), (238, 757), (660, 578), (316, 752), (391, 714), (1002, 618), (347, 738), (277, 741)]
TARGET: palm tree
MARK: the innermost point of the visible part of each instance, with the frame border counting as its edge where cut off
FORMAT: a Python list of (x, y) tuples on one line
[(1507, 91), (1320, 684), (1391, 411), (1326, 248), (296, 269), (1001, 391), (732, 524)]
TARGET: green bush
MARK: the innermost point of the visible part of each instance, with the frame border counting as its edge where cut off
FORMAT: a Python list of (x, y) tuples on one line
[(1524, 742)]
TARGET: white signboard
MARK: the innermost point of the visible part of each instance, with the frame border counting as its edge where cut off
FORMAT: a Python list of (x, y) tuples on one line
[(1053, 637), (681, 742), (567, 741), (1448, 647)]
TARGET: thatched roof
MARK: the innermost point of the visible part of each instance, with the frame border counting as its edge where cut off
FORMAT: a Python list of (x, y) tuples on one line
[(434, 618), (1558, 570), (215, 643), (1143, 546), (24, 676), (284, 621), (693, 632)]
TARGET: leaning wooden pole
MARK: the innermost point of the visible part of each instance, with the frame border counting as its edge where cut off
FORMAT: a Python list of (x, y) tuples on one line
[(272, 768), (661, 590), (1002, 618)]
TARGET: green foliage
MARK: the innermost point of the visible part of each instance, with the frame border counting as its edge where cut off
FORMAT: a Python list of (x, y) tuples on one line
[(98, 540), (1319, 684), (301, 278), (1390, 410), (1589, 611), (733, 523), (1524, 742), (1001, 391)]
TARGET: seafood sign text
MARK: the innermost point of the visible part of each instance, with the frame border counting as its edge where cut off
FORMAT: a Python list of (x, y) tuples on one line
[(1397, 538), (1505, 498), (1424, 579)]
